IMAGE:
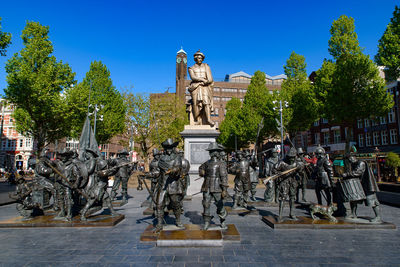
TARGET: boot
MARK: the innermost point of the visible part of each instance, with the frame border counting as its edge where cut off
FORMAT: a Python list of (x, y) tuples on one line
[(280, 210), (304, 195), (377, 218), (235, 202), (207, 220), (291, 208), (178, 219)]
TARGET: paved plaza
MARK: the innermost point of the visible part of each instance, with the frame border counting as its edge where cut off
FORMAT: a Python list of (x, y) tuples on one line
[(259, 246)]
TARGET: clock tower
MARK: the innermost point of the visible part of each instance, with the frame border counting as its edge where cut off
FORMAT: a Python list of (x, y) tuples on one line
[(181, 73)]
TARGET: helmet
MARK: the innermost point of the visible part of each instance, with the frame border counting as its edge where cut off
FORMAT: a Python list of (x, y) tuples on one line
[(319, 150), (292, 152), (300, 151)]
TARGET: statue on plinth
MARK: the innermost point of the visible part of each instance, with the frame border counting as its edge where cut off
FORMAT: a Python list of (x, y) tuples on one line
[(201, 90)]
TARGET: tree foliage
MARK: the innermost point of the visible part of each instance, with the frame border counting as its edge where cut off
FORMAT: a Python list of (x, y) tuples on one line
[(5, 41), (154, 119), (35, 82), (244, 123), (298, 92), (350, 85), (97, 85), (389, 47)]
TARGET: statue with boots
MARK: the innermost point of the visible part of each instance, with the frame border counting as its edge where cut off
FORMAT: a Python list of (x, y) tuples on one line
[(122, 176), (359, 185), (253, 175), (23, 197), (201, 91), (97, 193), (185, 173), (68, 180), (214, 186), (169, 184), (302, 177), (323, 173), (153, 175), (241, 169), (287, 184), (269, 170)]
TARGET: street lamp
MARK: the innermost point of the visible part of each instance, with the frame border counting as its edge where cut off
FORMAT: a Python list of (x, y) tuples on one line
[(280, 123), (96, 109)]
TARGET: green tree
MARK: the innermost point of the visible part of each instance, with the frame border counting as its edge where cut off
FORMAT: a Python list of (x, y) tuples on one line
[(5, 41), (232, 127), (298, 92), (393, 160), (98, 85), (35, 82), (154, 119), (389, 47), (352, 87)]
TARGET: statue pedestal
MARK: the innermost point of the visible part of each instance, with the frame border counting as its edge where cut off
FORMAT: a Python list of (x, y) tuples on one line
[(196, 140)]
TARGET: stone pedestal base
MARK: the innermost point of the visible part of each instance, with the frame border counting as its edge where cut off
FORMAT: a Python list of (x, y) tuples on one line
[(308, 223), (191, 236), (48, 220), (196, 140)]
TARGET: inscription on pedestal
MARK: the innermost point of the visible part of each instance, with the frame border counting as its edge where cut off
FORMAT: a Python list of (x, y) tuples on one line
[(198, 153)]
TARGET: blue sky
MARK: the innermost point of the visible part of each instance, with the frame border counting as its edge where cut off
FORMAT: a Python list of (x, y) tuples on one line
[(138, 40)]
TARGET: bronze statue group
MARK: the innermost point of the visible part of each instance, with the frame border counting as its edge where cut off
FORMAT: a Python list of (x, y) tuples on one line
[(78, 185)]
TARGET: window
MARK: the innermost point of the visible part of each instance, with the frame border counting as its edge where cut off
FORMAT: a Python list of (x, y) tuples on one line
[(384, 137), (391, 116), (8, 143), (361, 140), (383, 120), (359, 123), (216, 111), (216, 89), (243, 91), (368, 139), (216, 98), (316, 123), (374, 122), (3, 144), (316, 138), (376, 138), (324, 120), (326, 138), (21, 142), (366, 122), (393, 136), (27, 142), (336, 137)]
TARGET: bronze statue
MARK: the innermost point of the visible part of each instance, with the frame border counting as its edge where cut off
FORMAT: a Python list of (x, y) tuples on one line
[(201, 90), (23, 196), (302, 177), (323, 174), (359, 185), (169, 184), (122, 176), (253, 175), (241, 169), (269, 170), (153, 175), (214, 186), (287, 184)]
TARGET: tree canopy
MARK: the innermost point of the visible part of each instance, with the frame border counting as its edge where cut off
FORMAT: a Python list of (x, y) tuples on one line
[(97, 85), (389, 47), (298, 92), (5, 41), (35, 84)]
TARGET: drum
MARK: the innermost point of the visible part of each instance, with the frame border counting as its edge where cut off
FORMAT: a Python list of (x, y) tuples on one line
[(351, 190)]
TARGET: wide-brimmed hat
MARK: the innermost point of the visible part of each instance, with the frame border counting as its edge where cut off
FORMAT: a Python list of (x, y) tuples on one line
[(65, 152), (92, 151), (199, 53), (123, 152), (169, 143), (292, 152), (214, 147), (300, 151)]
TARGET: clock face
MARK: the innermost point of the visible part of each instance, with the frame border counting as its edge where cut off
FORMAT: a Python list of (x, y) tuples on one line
[(178, 60), (184, 60)]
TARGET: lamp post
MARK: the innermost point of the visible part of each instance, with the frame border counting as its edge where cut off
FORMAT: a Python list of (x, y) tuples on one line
[(280, 123), (96, 109)]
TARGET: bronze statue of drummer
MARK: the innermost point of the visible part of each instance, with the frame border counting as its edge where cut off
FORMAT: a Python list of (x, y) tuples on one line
[(358, 186)]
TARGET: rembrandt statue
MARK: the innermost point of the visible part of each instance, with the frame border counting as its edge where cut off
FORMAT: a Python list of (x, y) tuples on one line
[(201, 90)]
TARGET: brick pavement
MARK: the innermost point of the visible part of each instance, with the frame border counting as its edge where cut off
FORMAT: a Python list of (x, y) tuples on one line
[(259, 246)]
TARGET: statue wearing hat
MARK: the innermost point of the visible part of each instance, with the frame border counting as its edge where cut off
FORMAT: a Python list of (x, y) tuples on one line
[(269, 170), (358, 186), (153, 174), (241, 169), (201, 90), (122, 175), (323, 174), (287, 184), (302, 176), (170, 185), (214, 186)]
